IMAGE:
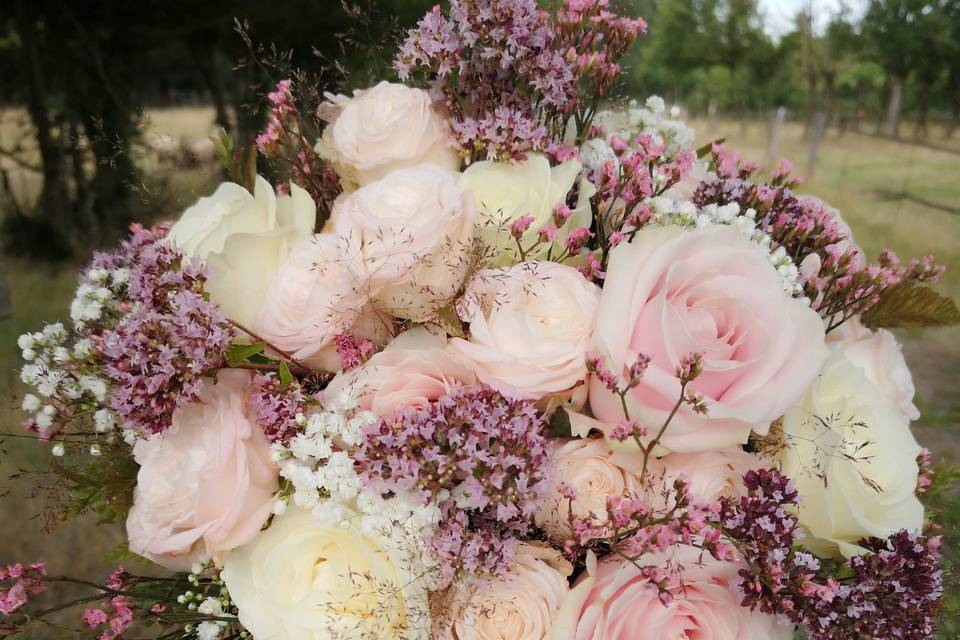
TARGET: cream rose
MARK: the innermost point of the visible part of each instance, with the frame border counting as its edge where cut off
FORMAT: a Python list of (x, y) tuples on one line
[(244, 238), (207, 484), (879, 355), (673, 291), (504, 192), (613, 601), (299, 580), (520, 606), (414, 370), (410, 233), (314, 296), (530, 328), (594, 473), (386, 127), (850, 452)]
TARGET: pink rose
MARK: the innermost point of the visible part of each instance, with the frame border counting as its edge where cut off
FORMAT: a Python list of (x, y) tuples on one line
[(710, 474), (207, 484), (674, 291), (521, 606), (594, 473), (314, 296), (530, 328), (878, 354), (613, 601), (412, 371)]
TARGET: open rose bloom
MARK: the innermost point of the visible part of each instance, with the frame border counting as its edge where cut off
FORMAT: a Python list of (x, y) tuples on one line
[(493, 365)]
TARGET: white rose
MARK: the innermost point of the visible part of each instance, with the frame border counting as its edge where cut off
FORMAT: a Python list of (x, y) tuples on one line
[(410, 233), (299, 580), (504, 192), (530, 328), (878, 354), (244, 238), (520, 606), (850, 452), (387, 127)]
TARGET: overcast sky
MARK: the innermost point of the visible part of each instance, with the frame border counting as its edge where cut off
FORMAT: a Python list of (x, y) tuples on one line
[(779, 13)]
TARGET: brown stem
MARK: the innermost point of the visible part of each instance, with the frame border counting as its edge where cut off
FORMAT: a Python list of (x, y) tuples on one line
[(284, 354)]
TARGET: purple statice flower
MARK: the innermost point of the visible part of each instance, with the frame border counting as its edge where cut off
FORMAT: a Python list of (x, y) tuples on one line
[(168, 338), (277, 409), (891, 591), (838, 280), (481, 456), (495, 66)]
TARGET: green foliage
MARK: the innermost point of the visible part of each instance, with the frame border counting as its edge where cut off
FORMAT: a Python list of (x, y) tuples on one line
[(286, 376), (942, 503), (239, 353), (906, 306), (102, 484)]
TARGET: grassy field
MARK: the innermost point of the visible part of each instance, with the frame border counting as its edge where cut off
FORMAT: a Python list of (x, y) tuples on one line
[(855, 173)]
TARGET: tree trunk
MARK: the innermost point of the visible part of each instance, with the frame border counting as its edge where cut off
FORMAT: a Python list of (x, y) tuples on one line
[(891, 126), (954, 122), (6, 305), (206, 61), (54, 194)]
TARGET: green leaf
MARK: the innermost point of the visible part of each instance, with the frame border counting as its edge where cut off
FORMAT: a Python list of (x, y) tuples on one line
[(223, 144), (705, 150), (286, 377), (908, 306), (239, 352)]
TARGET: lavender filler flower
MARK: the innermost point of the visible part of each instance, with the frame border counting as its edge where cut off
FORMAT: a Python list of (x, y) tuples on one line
[(482, 457)]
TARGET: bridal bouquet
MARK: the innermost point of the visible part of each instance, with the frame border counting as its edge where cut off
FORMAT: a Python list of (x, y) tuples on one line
[(504, 359)]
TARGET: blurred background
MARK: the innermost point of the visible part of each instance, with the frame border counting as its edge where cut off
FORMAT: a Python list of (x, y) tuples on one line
[(107, 108)]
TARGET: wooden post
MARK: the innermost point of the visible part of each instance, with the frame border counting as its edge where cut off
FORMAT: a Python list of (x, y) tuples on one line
[(776, 127), (816, 132)]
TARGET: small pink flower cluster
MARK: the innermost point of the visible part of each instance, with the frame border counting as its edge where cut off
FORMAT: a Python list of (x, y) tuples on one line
[(593, 39), (353, 351), (18, 583), (481, 456)]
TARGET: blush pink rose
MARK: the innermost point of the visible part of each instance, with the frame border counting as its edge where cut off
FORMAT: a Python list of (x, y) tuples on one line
[(711, 474), (520, 606), (674, 291), (530, 328), (594, 473), (314, 296), (207, 484), (613, 601), (414, 370)]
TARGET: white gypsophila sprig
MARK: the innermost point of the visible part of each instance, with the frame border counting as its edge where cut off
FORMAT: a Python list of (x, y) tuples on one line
[(669, 211), (318, 466)]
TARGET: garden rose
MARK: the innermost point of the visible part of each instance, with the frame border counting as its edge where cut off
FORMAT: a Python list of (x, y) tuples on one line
[(314, 296), (386, 127), (410, 232), (299, 580), (414, 370), (613, 601), (244, 238), (530, 328), (850, 452), (207, 484), (878, 354), (520, 606), (711, 474), (506, 191), (673, 291), (594, 473)]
